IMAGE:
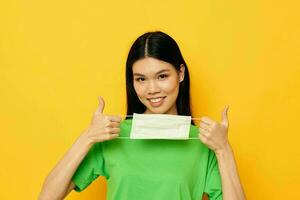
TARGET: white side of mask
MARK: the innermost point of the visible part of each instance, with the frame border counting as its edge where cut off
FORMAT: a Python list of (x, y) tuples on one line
[(160, 126)]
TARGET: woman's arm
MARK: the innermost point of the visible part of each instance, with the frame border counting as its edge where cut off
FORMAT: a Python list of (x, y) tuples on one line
[(215, 136), (231, 185), (103, 127), (59, 179)]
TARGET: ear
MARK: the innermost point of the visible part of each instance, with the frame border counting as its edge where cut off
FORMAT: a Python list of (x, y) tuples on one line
[(181, 73)]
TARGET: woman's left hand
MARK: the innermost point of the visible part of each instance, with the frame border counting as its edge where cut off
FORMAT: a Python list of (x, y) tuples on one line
[(214, 134)]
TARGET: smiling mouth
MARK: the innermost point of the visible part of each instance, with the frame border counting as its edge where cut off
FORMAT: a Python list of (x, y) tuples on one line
[(156, 100)]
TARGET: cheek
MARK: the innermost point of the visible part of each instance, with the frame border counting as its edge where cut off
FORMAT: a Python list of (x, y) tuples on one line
[(170, 86), (138, 89)]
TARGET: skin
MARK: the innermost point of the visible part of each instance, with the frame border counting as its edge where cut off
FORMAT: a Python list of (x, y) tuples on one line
[(149, 83)]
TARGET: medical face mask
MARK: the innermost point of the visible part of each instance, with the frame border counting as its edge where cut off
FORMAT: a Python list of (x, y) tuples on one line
[(160, 126)]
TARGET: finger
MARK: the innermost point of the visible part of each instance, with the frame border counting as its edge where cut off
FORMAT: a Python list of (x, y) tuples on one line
[(114, 118), (112, 124), (203, 131), (114, 131), (113, 136), (109, 136), (109, 130), (204, 126), (225, 116), (202, 137), (207, 120), (101, 105)]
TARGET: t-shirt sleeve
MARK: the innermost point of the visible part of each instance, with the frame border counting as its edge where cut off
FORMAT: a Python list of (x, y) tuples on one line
[(90, 168), (213, 184)]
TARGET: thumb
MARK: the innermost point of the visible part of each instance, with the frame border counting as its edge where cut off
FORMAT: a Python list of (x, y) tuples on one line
[(100, 106), (224, 116)]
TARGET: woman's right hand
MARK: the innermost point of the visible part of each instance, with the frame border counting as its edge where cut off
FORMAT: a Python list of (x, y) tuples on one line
[(103, 127)]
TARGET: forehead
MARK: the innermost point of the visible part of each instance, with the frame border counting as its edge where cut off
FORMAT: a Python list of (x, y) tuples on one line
[(151, 66)]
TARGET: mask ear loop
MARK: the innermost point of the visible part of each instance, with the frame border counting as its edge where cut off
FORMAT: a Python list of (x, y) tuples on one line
[(191, 138), (179, 115)]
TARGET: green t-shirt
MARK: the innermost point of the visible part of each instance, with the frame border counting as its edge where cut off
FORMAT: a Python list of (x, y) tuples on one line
[(151, 169)]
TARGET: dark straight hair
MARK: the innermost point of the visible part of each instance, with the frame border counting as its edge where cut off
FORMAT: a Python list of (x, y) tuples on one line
[(163, 47)]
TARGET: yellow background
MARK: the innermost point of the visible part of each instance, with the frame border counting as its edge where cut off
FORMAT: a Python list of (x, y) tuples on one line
[(56, 57)]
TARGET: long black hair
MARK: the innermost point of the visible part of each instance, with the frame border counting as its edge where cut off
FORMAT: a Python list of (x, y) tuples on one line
[(161, 46)]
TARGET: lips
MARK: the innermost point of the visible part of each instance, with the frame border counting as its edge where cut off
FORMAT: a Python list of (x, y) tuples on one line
[(155, 99), (158, 102)]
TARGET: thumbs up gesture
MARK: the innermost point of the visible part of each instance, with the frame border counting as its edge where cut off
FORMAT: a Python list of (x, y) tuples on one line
[(214, 134), (103, 127)]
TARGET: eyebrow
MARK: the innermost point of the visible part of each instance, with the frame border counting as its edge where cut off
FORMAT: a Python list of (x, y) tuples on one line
[(138, 74)]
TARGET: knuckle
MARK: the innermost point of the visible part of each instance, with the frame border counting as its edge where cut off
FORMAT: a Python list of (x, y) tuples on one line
[(104, 131), (107, 124), (105, 117), (203, 138), (107, 130), (106, 137), (116, 130), (114, 136)]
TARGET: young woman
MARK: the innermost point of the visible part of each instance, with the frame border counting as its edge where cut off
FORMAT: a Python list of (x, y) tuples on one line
[(157, 82)]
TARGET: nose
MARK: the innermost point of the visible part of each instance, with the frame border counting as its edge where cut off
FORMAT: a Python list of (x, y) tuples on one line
[(152, 88)]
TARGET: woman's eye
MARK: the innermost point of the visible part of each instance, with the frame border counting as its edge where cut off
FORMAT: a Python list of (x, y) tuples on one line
[(164, 76), (138, 79)]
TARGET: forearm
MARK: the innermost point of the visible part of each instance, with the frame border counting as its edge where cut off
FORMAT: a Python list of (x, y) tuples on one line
[(231, 185), (58, 180)]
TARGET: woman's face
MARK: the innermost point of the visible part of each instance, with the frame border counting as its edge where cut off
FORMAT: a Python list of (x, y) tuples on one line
[(156, 84)]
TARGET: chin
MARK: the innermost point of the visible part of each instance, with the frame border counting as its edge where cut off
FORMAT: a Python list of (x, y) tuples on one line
[(158, 110)]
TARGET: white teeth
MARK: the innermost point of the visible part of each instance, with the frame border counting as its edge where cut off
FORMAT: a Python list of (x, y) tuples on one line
[(156, 100)]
